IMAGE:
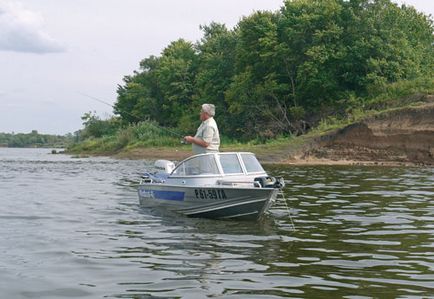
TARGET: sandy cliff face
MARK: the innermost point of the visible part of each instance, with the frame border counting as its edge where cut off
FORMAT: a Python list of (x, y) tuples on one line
[(405, 135)]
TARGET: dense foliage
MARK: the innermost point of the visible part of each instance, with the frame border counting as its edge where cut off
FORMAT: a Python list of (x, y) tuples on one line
[(34, 139), (281, 72)]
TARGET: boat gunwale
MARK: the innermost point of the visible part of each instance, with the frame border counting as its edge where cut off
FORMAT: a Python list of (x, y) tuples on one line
[(206, 186)]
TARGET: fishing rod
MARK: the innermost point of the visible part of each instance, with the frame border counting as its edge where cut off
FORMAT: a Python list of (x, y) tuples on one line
[(153, 125)]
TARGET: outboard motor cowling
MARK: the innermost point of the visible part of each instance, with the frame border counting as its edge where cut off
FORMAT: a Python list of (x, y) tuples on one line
[(164, 166)]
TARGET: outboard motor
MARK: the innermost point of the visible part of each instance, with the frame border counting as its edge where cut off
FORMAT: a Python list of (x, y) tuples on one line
[(164, 166), (270, 182)]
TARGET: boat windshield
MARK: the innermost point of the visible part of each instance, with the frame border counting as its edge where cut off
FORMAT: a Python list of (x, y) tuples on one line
[(251, 163), (200, 165)]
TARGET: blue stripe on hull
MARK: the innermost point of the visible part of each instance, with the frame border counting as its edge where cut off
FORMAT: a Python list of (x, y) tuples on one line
[(169, 195), (160, 194)]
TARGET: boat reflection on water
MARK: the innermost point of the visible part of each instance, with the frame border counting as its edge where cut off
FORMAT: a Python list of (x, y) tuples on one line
[(230, 185)]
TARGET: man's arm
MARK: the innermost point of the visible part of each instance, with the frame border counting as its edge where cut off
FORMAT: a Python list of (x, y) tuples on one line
[(198, 141)]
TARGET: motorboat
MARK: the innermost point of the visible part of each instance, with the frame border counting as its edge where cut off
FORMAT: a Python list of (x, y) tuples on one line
[(221, 185)]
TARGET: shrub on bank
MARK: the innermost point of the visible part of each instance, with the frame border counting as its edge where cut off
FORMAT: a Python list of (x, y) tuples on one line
[(143, 134)]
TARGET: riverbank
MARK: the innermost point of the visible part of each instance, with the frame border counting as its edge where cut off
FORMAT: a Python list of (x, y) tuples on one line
[(401, 136), (271, 158)]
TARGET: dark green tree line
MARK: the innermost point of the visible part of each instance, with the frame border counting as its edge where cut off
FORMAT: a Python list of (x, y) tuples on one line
[(277, 72), (34, 139)]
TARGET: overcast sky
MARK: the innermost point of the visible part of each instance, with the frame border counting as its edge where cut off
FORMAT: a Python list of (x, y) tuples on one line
[(53, 52)]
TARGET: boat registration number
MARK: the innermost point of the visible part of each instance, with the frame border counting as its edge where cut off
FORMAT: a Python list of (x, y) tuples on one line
[(210, 194)]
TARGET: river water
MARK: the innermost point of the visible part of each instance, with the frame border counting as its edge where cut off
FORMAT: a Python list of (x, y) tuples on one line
[(72, 228)]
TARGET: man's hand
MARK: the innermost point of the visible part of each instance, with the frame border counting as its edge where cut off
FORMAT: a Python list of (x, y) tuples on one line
[(189, 139)]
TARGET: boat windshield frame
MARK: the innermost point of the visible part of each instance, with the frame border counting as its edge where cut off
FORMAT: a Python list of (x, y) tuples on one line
[(218, 171)]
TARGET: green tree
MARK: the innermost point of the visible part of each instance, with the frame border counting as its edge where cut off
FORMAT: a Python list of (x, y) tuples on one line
[(215, 71), (94, 126), (396, 43), (176, 77), (310, 35), (163, 88), (258, 95), (140, 97)]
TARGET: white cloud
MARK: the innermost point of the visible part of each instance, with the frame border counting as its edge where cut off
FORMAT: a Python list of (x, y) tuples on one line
[(21, 30)]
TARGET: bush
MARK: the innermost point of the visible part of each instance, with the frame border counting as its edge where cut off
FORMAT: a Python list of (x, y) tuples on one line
[(95, 127), (144, 134)]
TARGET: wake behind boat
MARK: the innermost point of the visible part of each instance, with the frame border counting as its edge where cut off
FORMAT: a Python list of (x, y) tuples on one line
[(230, 185)]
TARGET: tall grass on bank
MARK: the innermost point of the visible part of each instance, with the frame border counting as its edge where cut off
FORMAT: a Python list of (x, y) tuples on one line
[(396, 95), (402, 93), (143, 134)]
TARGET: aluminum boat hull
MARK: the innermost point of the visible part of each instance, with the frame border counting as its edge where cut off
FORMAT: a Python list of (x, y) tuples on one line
[(215, 202)]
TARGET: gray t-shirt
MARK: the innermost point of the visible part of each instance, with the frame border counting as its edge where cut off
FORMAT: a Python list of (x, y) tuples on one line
[(208, 132)]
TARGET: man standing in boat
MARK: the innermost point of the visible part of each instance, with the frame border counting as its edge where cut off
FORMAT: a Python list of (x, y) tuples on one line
[(207, 138)]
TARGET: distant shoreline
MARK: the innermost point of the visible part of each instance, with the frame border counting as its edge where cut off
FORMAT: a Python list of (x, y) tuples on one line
[(45, 146)]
